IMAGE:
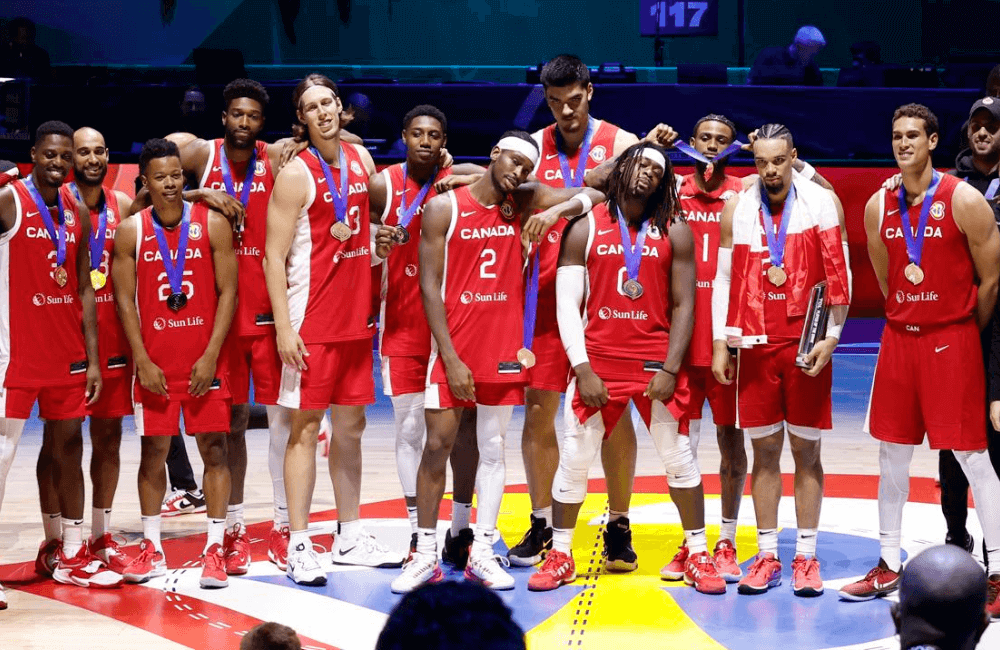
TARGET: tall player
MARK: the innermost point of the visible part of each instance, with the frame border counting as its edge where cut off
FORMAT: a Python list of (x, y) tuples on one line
[(575, 143), (175, 286), (48, 336), (759, 302), (472, 288), (317, 265), (938, 269)]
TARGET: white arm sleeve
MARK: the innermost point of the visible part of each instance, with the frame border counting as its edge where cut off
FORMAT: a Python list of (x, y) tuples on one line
[(569, 299), (838, 314), (720, 294)]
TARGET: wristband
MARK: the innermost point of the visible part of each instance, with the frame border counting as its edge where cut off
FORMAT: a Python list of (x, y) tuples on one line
[(807, 171), (582, 197), (669, 372)]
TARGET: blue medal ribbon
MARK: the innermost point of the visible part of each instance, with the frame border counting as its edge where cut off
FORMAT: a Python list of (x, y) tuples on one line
[(691, 152), (174, 269), (631, 252), (339, 198), (915, 242), (776, 241), (531, 302), (100, 234), (570, 180), (991, 191), (227, 175), (58, 236), (409, 211)]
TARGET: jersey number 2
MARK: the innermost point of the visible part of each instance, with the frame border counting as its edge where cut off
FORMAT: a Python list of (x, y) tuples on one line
[(490, 260)]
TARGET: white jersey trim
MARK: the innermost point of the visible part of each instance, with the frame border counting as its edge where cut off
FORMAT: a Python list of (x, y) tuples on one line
[(444, 280), (203, 181), (388, 193), (298, 265)]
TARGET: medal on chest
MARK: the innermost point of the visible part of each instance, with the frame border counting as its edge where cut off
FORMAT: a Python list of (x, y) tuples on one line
[(174, 267), (776, 274), (913, 272), (632, 252)]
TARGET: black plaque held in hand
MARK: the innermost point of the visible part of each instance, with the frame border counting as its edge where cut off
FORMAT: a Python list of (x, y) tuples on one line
[(814, 330)]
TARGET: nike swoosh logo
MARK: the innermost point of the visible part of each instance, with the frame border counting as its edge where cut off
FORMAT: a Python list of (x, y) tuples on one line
[(28, 215), (942, 348), (466, 214), (149, 238), (551, 156), (400, 192), (604, 232), (686, 196), (343, 553), (890, 212), (563, 490)]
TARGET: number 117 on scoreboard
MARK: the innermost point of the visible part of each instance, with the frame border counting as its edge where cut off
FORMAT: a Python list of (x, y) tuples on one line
[(679, 17)]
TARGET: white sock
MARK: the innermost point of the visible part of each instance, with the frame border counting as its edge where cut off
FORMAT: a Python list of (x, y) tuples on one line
[(893, 490), (72, 536), (349, 530), (544, 513), (805, 542), (614, 515), (986, 491), (411, 513), (52, 524), (427, 541), (234, 515), (461, 513), (484, 537), (298, 541), (696, 541), (216, 533), (151, 531), (279, 427), (889, 542), (562, 539), (100, 519), (767, 540), (728, 530)]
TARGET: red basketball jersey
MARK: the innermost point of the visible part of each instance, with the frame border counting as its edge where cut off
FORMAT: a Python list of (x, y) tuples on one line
[(483, 290), (549, 172), (41, 340), (115, 352), (253, 311), (703, 211), (948, 293), (176, 340), (405, 331), (329, 281), (617, 327)]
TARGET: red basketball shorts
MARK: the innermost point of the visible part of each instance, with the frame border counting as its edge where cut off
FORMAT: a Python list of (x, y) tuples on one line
[(54, 402), (257, 356), (551, 369), (771, 389), (337, 374), (115, 400), (404, 375), (721, 397)]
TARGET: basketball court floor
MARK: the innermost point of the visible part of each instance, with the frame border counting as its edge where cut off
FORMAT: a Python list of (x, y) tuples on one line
[(597, 611)]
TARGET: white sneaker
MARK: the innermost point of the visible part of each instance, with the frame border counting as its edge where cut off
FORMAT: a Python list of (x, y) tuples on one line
[(3, 598), (304, 568), (422, 568), (364, 550), (487, 570)]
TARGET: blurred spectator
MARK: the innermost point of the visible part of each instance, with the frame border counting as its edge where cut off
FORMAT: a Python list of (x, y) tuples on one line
[(271, 636), (942, 600), (451, 616), (993, 82), (792, 65), (21, 57), (194, 114), (866, 69)]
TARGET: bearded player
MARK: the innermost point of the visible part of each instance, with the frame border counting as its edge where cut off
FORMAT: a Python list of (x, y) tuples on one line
[(472, 288), (936, 253)]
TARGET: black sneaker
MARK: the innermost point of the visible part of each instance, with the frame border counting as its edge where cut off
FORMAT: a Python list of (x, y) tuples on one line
[(618, 552), (968, 544), (413, 547), (456, 549), (533, 546)]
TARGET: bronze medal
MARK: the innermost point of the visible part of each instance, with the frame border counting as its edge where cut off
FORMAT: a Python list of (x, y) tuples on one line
[(98, 280), (526, 358), (401, 235), (176, 301), (913, 273), (777, 276), (340, 231), (60, 276), (632, 288)]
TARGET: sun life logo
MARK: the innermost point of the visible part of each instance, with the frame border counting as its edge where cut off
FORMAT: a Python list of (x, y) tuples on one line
[(466, 297), (38, 299), (159, 324)]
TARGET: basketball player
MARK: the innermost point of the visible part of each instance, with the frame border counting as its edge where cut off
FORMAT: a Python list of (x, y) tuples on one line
[(630, 265), (472, 287), (175, 285), (317, 264), (48, 349), (397, 196), (938, 269), (575, 143), (759, 299)]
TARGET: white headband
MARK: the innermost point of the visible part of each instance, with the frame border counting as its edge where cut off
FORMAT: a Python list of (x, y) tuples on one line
[(655, 156), (510, 143)]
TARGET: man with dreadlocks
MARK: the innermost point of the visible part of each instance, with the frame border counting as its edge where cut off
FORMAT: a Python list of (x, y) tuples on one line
[(780, 237), (630, 265)]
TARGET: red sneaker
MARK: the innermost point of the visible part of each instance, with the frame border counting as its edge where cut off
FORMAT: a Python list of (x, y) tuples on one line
[(3, 598), (558, 569), (150, 563), (726, 561), (45, 561), (236, 548), (993, 597), (277, 547), (84, 570), (878, 582), (674, 570), (764, 573), (700, 573), (805, 576), (213, 568), (108, 549)]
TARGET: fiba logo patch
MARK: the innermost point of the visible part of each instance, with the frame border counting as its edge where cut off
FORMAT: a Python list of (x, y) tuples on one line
[(411, 270), (111, 218), (356, 168), (507, 210), (553, 237), (900, 297), (599, 153), (604, 313), (69, 218), (159, 324), (194, 232), (38, 299), (653, 232), (937, 210), (466, 297), (259, 169)]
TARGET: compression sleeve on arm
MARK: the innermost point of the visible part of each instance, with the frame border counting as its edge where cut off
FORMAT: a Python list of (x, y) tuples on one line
[(720, 294), (569, 299)]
